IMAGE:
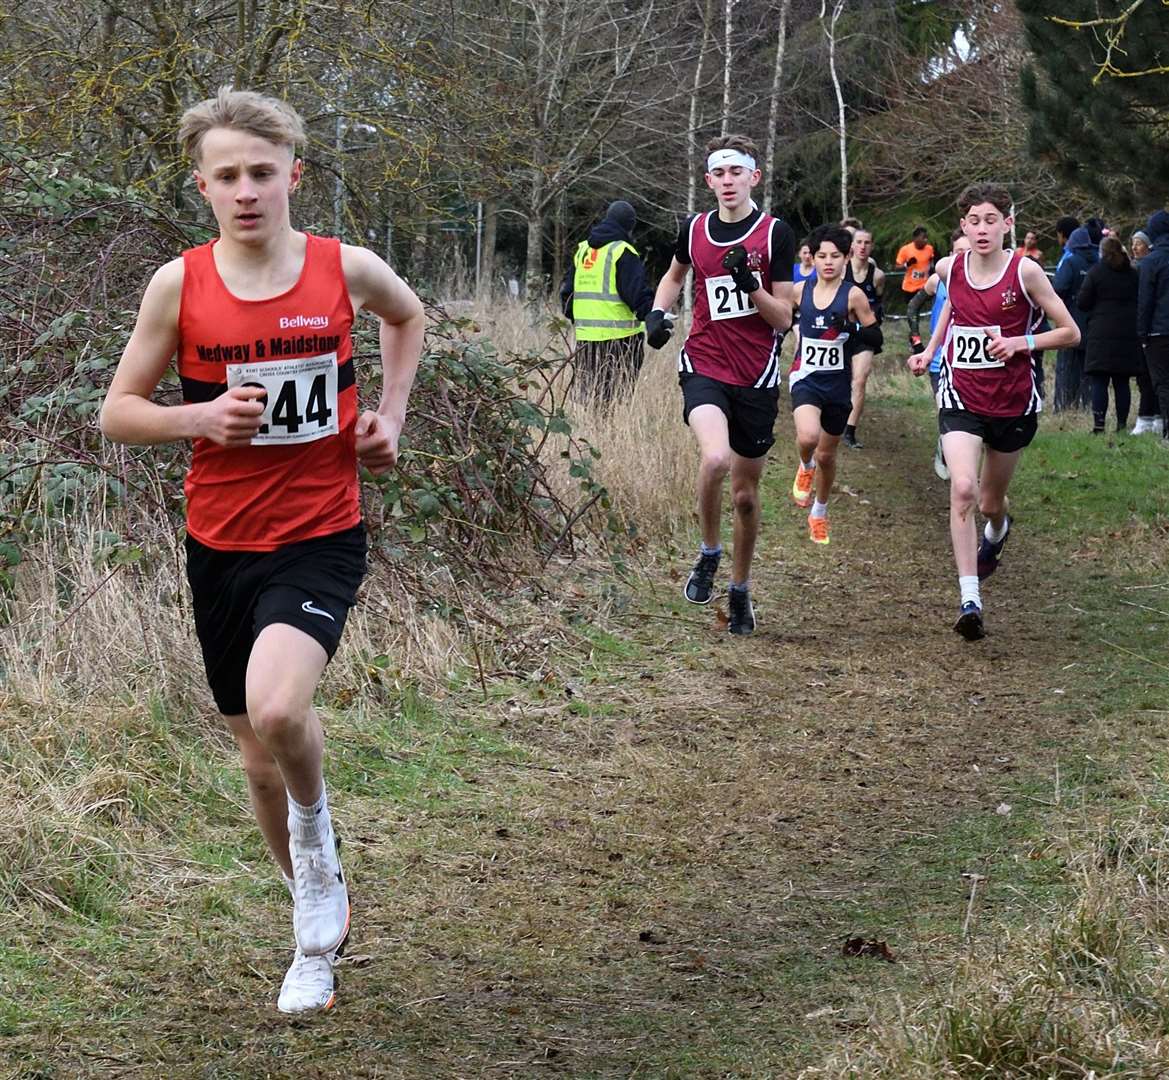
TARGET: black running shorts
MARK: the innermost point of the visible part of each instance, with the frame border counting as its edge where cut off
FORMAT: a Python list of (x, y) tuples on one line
[(750, 411), (310, 585), (833, 414), (1006, 434)]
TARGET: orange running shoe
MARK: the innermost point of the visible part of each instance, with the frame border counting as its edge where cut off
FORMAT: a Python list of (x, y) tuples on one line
[(802, 488), (818, 529)]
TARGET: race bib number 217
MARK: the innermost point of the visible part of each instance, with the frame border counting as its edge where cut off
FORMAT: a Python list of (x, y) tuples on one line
[(302, 397)]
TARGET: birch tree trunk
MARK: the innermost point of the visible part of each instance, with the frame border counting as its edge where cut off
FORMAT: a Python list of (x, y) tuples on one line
[(728, 56), (773, 112), (830, 32), (487, 265), (692, 141)]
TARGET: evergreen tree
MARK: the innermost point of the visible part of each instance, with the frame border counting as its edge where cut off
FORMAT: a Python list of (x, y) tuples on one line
[(1098, 95)]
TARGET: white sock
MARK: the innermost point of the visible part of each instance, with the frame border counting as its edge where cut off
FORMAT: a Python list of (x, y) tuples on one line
[(809, 464), (970, 590), (288, 884), (309, 822), (819, 509), (992, 534)]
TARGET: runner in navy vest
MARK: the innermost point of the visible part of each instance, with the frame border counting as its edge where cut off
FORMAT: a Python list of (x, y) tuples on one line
[(861, 270), (729, 365), (987, 393), (835, 320)]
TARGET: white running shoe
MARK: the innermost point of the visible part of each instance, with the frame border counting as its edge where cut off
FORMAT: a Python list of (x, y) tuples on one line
[(321, 916), (940, 469), (309, 984), (1145, 425)]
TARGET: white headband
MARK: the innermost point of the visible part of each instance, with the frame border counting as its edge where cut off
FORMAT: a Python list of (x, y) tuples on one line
[(729, 157)]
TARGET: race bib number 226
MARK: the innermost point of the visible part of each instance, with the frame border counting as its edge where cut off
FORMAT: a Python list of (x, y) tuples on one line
[(302, 397)]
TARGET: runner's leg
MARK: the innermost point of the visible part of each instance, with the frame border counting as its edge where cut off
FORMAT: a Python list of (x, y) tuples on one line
[(283, 671), (709, 424), (997, 470), (825, 465), (745, 474), (862, 366), (266, 788), (807, 423), (962, 451)]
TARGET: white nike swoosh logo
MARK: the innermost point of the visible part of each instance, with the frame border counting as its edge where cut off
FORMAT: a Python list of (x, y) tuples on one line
[(308, 606)]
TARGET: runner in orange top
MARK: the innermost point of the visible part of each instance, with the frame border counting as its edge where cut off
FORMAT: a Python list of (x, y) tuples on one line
[(258, 322), (916, 259)]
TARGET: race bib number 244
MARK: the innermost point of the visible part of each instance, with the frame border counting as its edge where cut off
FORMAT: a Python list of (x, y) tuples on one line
[(302, 397)]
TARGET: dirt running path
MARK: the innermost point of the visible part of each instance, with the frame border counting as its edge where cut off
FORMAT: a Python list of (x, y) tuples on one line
[(658, 885)]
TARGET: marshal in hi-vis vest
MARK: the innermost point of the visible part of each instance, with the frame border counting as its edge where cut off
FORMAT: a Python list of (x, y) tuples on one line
[(597, 310)]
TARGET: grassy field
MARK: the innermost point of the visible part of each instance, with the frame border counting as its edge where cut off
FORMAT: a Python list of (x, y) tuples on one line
[(613, 842)]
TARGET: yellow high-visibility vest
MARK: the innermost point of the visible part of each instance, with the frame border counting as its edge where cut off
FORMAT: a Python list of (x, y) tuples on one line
[(597, 310)]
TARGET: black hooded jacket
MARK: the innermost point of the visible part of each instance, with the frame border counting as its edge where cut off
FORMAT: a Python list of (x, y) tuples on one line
[(1153, 295), (632, 286)]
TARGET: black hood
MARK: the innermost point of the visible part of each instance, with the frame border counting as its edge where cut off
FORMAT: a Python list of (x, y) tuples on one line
[(1158, 227), (606, 232)]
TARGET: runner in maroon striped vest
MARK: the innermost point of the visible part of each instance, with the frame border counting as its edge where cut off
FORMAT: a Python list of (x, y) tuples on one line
[(987, 396), (729, 366)]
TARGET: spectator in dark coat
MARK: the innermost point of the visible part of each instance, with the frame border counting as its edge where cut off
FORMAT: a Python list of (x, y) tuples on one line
[(1108, 299), (608, 361), (1153, 311), (1078, 258), (1148, 420)]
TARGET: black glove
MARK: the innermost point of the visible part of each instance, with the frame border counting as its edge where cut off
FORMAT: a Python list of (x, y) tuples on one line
[(735, 261), (837, 322), (658, 327)]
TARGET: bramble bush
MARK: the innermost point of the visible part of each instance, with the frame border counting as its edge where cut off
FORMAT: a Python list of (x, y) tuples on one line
[(472, 492)]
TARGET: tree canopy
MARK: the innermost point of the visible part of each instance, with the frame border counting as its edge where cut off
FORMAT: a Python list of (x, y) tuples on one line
[(1097, 95)]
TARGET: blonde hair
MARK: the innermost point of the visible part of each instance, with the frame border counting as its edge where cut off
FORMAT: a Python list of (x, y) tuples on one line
[(242, 110)]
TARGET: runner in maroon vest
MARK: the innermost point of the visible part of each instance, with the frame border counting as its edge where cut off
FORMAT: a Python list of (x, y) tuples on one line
[(987, 395), (729, 366)]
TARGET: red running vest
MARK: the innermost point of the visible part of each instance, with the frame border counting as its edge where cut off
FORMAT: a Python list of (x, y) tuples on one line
[(729, 340), (970, 378), (298, 478)]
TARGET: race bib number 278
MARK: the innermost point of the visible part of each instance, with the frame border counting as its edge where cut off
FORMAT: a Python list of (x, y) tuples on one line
[(302, 397)]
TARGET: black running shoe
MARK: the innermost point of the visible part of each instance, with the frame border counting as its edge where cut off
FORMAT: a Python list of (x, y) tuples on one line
[(969, 623), (989, 553), (742, 620), (700, 583)]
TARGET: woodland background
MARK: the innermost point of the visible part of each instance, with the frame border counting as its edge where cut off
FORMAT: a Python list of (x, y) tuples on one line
[(445, 134)]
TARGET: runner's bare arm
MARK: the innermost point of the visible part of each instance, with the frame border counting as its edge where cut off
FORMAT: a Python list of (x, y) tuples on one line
[(375, 287), (859, 308), (775, 304), (670, 286), (1064, 333), (919, 362), (879, 281), (129, 416)]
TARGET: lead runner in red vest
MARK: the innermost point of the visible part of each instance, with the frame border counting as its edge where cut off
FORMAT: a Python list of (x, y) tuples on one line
[(729, 366), (987, 395), (259, 321)]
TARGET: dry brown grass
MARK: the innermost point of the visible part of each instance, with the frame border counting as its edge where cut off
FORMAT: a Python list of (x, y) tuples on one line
[(1080, 991)]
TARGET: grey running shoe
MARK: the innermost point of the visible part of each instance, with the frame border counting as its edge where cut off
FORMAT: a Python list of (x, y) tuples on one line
[(700, 583), (742, 614)]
